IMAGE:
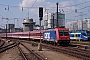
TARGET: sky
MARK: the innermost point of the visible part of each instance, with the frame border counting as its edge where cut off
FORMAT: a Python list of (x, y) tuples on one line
[(17, 10)]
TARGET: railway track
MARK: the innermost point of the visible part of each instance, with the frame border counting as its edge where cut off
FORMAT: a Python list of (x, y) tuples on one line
[(4, 48), (86, 47), (1, 43), (32, 54), (73, 51), (76, 52)]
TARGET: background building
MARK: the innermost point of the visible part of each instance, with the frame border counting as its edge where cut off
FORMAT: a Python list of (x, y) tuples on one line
[(48, 20), (28, 24), (9, 27), (79, 25), (16, 30), (2, 30), (61, 19), (37, 27)]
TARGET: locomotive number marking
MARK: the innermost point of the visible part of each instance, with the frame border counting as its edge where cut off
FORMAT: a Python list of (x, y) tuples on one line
[(47, 35)]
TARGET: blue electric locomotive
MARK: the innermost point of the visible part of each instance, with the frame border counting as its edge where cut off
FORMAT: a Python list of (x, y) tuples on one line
[(57, 35)]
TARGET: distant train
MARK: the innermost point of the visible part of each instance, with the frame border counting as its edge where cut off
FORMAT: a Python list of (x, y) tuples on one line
[(80, 34), (85, 33), (57, 35)]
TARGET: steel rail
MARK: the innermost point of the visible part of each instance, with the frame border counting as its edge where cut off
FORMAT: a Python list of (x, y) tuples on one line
[(22, 53), (35, 54), (2, 49), (1, 43), (69, 51)]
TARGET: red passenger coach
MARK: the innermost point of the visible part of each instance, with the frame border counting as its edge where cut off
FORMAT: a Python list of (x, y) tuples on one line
[(36, 34)]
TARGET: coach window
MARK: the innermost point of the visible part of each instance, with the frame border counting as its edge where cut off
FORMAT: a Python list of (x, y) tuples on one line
[(26, 35), (37, 34), (32, 34), (72, 35), (77, 35)]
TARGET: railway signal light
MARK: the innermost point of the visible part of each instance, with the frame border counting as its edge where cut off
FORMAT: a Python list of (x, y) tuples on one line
[(40, 11)]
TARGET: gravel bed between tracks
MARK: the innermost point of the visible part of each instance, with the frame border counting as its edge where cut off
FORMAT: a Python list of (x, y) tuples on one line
[(50, 55), (11, 54)]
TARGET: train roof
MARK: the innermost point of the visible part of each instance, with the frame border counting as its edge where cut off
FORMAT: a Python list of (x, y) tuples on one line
[(75, 33), (50, 30), (37, 31), (62, 28), (34, 31)]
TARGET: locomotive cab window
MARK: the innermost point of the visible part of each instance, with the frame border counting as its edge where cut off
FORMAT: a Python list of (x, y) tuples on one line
[(63, 32), (66, 33), (84, 34)]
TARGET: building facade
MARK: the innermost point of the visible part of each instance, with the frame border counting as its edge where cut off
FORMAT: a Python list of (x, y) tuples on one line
[(79, 25), (28, 24), (9, 27), (50, 20)]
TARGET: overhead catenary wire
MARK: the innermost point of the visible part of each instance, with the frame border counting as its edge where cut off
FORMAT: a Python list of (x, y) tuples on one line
[(1, 15), (71, 11), (75, 4), (45, 7), (8, 9), (48, 7), (78, 9), (33, 4)]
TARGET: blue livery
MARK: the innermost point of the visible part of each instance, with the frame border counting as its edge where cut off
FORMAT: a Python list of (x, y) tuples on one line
[(78, 36), (85, 33), (49, 35)]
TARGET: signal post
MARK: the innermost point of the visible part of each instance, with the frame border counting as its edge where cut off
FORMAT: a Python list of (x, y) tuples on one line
[(40, 18)]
